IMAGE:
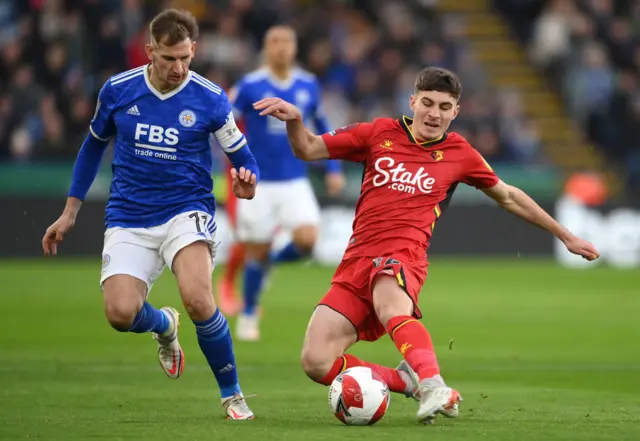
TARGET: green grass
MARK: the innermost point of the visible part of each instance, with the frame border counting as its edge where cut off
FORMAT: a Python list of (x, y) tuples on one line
[(538, 353)]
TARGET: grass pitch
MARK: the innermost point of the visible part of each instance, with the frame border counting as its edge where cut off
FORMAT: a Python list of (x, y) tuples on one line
[(537, 352)]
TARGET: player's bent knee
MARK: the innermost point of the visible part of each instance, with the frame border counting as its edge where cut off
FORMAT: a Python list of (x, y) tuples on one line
[(305, 237), (121, 315), (123, 298), (200, 306), (316, 363)]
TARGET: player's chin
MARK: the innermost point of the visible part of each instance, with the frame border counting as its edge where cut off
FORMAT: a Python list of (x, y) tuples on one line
[(430, 133)]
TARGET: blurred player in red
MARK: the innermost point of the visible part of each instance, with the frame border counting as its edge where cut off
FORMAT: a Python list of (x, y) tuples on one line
[(412, 166), (229, 301)]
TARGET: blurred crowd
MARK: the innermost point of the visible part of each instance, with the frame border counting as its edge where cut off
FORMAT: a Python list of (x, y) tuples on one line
[(590, 49), (55, 55)]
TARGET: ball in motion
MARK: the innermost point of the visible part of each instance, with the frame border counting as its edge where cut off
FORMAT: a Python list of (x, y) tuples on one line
[(359, 397)]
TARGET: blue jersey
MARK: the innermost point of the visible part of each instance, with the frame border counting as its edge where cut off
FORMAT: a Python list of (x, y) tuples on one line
[(162, 151), (268, 136)]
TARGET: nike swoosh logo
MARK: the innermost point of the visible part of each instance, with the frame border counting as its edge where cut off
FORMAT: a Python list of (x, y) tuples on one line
[(174, 365)]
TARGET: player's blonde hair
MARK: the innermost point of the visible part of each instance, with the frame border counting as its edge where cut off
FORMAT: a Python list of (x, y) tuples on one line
[(172, 26)]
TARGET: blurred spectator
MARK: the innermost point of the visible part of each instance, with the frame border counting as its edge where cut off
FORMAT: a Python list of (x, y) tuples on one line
[(56, 54), (591, 50)]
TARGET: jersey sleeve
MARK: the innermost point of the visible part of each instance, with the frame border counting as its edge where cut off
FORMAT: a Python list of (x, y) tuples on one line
[(102, 126), (224, 128), (477, 171), (350, 143)]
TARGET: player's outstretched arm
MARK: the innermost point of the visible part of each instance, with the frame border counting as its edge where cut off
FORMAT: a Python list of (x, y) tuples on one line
[(305, 145), (84, 173), (516, 201)]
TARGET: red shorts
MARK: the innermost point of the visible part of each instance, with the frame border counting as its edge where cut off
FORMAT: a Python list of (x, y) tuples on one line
[(351, 291)]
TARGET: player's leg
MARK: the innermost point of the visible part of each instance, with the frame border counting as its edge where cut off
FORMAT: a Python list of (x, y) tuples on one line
[(394, 303), (331, 331), (299, 213), (130, 266), (191, 258), (256, 226), (227, 295), (255, 272)]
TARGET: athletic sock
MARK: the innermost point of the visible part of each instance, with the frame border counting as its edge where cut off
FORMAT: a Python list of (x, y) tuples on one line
[(149, 319), (289, 253), (215, 342), (254, 273), (397, 381), (414, 343)]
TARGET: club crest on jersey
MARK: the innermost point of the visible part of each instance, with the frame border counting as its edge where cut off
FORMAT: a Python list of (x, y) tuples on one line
[(106, 259), (437, 155), (187, 118), (302, 98)]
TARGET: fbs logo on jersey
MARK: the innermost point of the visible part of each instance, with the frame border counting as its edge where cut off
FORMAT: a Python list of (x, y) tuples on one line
[(437, 155), (155, 135), (386, 145), (399, 178)]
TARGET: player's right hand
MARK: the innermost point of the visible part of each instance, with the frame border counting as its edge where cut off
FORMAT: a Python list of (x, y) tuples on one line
[(55, 234), (278, 108)]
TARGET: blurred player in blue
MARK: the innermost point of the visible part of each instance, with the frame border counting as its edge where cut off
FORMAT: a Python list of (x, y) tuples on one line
[(285, 198), (161, 209)]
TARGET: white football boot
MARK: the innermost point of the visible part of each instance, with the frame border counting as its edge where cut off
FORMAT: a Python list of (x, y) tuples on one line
[(434, 398), (248, 327), (236, 408), (169, 351)]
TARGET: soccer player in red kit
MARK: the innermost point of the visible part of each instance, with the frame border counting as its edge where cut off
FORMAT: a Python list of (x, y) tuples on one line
[(229, 301), (412, 166)]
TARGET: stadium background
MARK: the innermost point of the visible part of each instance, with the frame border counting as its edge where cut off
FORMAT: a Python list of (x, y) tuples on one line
[(551, 97)]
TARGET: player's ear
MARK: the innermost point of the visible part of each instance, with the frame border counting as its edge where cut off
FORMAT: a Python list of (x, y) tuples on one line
[(412, 102), (456, 111), (149, 50), (193, 48)]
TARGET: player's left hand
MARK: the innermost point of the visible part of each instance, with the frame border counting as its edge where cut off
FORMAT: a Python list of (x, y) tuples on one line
[(244, 183), (335, 183), (582, 248)]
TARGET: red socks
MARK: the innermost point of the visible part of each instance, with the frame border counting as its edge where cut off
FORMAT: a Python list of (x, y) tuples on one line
[(390, 376), (235, 262), (414, 343)]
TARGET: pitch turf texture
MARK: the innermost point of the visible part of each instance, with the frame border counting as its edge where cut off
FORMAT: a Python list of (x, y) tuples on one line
[(538, 353)]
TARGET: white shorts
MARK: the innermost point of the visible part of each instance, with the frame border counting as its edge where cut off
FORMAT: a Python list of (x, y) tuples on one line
[(287, 205), (144, 252)]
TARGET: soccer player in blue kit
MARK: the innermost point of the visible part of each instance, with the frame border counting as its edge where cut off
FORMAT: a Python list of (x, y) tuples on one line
[(161, 209), (285, 198)]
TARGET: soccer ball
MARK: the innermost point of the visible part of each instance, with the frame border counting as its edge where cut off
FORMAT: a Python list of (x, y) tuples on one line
[(359, 397)]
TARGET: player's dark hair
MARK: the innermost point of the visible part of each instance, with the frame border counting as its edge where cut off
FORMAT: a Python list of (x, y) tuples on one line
[(439, 80), (172, 26)]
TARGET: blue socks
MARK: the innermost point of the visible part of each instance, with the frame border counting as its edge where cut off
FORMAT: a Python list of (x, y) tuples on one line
[(215, 342), (254, 273), (289, 253), (149, 319)]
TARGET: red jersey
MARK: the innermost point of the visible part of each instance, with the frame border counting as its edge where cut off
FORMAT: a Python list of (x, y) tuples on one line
[(406, 185)]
